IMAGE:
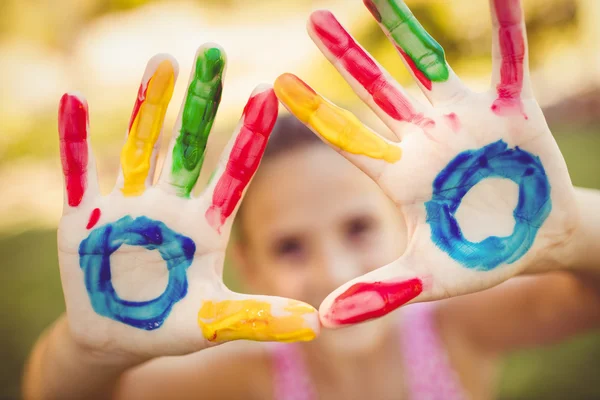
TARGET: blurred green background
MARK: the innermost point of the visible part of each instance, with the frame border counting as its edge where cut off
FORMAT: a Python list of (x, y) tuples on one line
[(100, 47)]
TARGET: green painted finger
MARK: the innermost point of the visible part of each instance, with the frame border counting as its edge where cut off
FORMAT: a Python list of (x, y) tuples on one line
[(201, 104), (424, 53)]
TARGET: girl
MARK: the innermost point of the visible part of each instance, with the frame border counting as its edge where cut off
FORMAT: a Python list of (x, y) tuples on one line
[(309, 223), (323, 224)]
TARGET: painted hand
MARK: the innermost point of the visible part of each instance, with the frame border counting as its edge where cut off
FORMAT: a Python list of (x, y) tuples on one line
[(478, 177), (142, 267)]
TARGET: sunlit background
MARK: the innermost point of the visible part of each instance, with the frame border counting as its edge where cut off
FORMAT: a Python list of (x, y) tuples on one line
[(100, 47)]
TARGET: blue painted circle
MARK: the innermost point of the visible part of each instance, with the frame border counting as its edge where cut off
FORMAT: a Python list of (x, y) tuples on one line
[(94, 258), (465, 171)]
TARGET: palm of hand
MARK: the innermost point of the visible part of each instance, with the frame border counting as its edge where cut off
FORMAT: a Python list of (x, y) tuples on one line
[(142, 267), (496, 142), (141, 289)]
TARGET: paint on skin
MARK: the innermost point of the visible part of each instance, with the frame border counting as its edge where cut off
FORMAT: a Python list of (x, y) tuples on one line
[(145, 129), (361, 66), (373, 10), (404, 29), (201, 103), (364, 301), (94, 217), (336, 125), (259, 118), (94, 259), (424, 80), (72, 127), (466, 170), (453, 121), (254, 320), (512, 49), (141, 97)]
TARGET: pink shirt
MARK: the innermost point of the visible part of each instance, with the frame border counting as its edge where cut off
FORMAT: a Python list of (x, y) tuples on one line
[(428, 373)]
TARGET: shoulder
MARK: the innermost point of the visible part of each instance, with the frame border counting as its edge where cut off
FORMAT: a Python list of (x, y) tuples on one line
[(229, 371)]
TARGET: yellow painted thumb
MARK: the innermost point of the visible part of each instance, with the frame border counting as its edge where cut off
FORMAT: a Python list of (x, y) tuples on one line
[(257, 320)]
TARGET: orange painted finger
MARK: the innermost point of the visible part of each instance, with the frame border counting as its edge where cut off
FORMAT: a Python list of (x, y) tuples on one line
[(138, 154), (259, 319), (337, 126)]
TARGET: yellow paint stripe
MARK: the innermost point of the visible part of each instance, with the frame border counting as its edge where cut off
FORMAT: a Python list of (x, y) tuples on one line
[(339, 127), (137, 153), (252, 320)]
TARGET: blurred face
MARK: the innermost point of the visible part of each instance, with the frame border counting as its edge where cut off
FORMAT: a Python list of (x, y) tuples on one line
[(312, 221)]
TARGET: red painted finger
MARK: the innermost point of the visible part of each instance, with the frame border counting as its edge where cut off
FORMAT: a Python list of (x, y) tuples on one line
[(364, 301), (234, 174), (377, 293), (509, 55), (351, 59), (74, 153)]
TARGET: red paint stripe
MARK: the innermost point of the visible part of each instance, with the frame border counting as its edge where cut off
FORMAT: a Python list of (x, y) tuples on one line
[(454, 121), (364, 301), (361, 66), (94, 217), (141, 97), (372, 9), (259, 118), (72, 128), (512, 50), (426, 82)]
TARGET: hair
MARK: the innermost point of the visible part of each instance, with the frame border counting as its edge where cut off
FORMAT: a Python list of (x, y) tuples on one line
[(288, 134)]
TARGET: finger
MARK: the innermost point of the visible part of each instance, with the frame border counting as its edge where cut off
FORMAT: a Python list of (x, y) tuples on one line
[(374, 295), (188, 145), (138, 157), (336, 126), (241, 158), (366, 77), (423, 56), (509, 54), (260, 318), (79, 167)]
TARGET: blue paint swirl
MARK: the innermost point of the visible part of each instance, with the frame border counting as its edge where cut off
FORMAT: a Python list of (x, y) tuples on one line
[(94, 258), (467, 169)]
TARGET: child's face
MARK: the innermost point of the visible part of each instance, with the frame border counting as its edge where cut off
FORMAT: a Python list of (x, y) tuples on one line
[(312, 221)]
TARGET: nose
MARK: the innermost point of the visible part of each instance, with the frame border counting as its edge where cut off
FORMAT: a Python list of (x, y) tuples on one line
[(339, 264)]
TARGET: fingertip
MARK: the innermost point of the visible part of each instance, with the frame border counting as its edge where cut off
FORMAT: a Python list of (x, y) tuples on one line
[(261, 109), (71, 101), (328, 31), (74, 96), (324, 315), (317, 17), (162, 83), (165, 69), (297, 96), (211, 46), (280, 81), (262, 87), (210, 62), (72, 129), (164, 61), (72, 116), (286, 79), (363, 301), (258, 318)]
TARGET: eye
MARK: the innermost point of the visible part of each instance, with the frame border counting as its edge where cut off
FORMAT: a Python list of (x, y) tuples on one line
[(361, 228), (289, 247)]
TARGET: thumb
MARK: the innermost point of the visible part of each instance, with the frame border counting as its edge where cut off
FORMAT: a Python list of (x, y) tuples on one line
[(262, 318), (375, 294)]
